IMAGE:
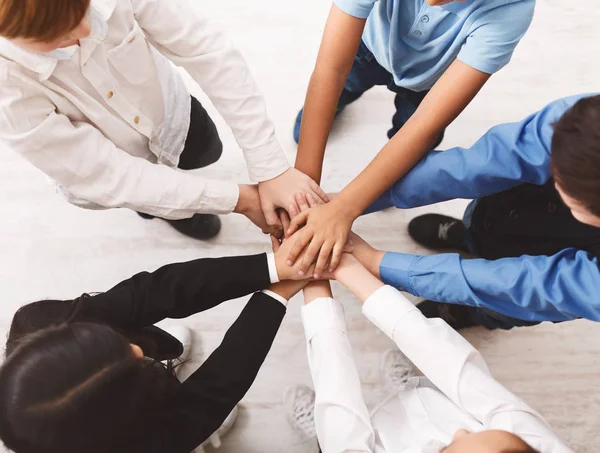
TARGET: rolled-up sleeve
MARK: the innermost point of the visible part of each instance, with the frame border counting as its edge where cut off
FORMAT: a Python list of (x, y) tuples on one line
[(179, 31), (91, 168)]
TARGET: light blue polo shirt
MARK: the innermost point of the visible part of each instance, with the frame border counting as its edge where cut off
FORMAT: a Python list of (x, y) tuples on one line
[(417, 42)]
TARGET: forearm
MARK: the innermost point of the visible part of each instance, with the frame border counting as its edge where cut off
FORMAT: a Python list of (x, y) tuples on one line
[(534, 288), (324, 90), (225, 377), (394, 161), (317, 290), (354, 276), (341, 417)]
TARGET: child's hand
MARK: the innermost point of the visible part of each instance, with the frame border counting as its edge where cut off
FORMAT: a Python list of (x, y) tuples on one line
[(286, 272), (249, 205), (324, 235), (281, 192)]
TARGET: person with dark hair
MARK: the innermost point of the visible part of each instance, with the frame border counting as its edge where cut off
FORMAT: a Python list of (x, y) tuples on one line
[(85, 375), (455, 407), (534, 223)]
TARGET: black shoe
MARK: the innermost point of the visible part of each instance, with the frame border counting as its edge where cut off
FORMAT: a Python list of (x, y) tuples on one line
[(439, 232), (200, 226), (457, 316)]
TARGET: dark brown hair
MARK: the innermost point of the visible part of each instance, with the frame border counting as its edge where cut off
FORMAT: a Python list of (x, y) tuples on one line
[(576, 153), (40, 20)]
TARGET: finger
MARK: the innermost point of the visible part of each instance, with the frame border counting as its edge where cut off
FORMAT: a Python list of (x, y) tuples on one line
[(348, 248), (298, 246), (323, 259), (310, 255), (297, 222), (275, 244), (301, 201), (271, 216), (336, 256), (284, 218), (293, 210), (276, 232), (312, 200), (319, 192)]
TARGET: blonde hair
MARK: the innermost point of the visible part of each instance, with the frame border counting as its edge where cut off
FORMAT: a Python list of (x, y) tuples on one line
[(40, 20)]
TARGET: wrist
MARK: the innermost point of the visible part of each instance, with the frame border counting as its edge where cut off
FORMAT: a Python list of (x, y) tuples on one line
[(245, 198), (346, 207), (288, 289)]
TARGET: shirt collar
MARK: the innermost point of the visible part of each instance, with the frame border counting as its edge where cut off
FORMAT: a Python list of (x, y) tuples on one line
[(456, 7), (44, 64)]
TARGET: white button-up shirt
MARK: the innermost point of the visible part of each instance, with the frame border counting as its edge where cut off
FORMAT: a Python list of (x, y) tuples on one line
[(98, 117), (458, 391)]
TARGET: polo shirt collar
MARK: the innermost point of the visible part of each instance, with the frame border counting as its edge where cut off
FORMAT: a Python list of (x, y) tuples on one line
[(45, 64)]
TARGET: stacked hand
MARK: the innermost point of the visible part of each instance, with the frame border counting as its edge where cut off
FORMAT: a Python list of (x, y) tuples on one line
[(323, 237), (288, 191)]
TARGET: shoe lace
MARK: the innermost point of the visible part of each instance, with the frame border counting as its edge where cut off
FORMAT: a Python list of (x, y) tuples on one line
[(444, 228), (303, 414)]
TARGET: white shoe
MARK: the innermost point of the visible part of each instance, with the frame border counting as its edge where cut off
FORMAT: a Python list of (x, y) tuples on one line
[(184, 335), (396, 369), (215, 439), (300, 407)]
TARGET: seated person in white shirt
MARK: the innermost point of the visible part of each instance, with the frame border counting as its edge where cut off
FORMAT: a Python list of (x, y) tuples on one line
[(89, 96), (458, 407)]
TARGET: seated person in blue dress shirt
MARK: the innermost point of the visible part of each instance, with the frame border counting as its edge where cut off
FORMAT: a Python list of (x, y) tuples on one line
[(534, 223), (457, 407), (435, 55)]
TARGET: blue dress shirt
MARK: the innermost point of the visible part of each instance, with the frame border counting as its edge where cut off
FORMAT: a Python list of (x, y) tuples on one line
[(534, 288)]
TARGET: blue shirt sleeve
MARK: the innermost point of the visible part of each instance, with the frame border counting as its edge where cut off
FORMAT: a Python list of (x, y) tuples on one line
[(357, 8), (506, 156), (494, 36), (533, 288)]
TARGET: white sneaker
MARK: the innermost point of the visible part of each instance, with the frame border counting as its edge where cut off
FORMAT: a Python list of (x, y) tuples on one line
[(215, 440), (184, 335), (300, 407), (396, 369)]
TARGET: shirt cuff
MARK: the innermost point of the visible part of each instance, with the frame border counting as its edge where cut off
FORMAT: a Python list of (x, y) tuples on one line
[(394, 270), (218, 197), (273, 275), (386, 307), (322, 314), (266, 162), (275, 296)]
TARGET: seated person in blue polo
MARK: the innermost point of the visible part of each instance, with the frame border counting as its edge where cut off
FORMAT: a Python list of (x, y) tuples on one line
[(534, 223), (435, 55)]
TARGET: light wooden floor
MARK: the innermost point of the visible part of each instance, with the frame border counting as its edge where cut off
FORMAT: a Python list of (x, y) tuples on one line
[(51, 249)]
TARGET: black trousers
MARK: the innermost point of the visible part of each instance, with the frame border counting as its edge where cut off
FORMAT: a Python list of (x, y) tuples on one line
[(203, 146), (525, 220)]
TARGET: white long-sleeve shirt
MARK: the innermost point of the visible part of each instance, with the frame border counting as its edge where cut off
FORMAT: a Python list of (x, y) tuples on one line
[(458, 391), (98, 117)]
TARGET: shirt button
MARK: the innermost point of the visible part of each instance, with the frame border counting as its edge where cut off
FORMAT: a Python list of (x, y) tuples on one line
[(418, 33), (110, 94), (425, 19), (552, 208), (514, 215), (136, 120)]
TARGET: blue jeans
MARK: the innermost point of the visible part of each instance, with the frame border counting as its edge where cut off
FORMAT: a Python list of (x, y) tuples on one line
[(366, 73)]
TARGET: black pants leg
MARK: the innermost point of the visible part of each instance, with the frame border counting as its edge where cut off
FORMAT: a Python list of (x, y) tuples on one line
[(203, 146)]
